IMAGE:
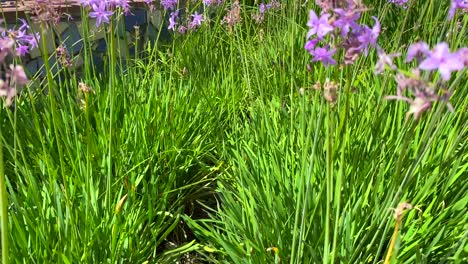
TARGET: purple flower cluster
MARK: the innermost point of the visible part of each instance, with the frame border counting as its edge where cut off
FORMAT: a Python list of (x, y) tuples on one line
[(100, 13), (102, 10), (169, 4), (194, 21), (173, 20), (401, 3), (213, 2), (457, 4), (440, 58), (110, 4), (263, 9), (14, 43), (343, 27), (422, 90), (22, 41)]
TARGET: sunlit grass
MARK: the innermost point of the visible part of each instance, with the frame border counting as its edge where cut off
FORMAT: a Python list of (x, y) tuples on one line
[(217, 148)]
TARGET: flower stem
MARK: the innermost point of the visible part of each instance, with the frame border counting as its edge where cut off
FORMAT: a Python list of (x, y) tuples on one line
[(392, 242)]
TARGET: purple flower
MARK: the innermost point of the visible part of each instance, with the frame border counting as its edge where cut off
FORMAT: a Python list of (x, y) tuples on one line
[(457, 4), (15, 78), (100, 13), (441, 58), (325, 5), (213, 2), (274, 4), (7, 91), (24, 25), (347, 20), (401, 3), (197, 20), (6, 48), (122, 4), (18, 76), (169, 4), (310, 45), (369, 36), (417, 50), (319, 26), (22, 50), (172, 20), (463, 54), (182, 29), (385, 60), (86, 3), (424, 95), (324, 55), (262, 8), (353, 47), (24, 42)]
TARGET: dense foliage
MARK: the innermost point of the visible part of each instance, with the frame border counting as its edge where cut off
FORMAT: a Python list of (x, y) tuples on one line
[(275, 132)]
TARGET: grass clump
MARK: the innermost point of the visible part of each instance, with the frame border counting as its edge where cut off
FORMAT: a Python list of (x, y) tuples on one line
[(229, 145)]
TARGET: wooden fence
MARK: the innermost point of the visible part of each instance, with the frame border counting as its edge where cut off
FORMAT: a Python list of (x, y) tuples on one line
[(12, 10)]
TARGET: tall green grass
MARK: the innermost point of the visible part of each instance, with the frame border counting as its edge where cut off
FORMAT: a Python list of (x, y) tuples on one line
[(228, 162), (314, 183)]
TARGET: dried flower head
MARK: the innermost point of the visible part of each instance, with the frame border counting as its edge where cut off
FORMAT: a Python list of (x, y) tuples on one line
[(83, 93), (63, 57), (330, 90), (233, 16), (401, 208), (85, 89), (423, 94)]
